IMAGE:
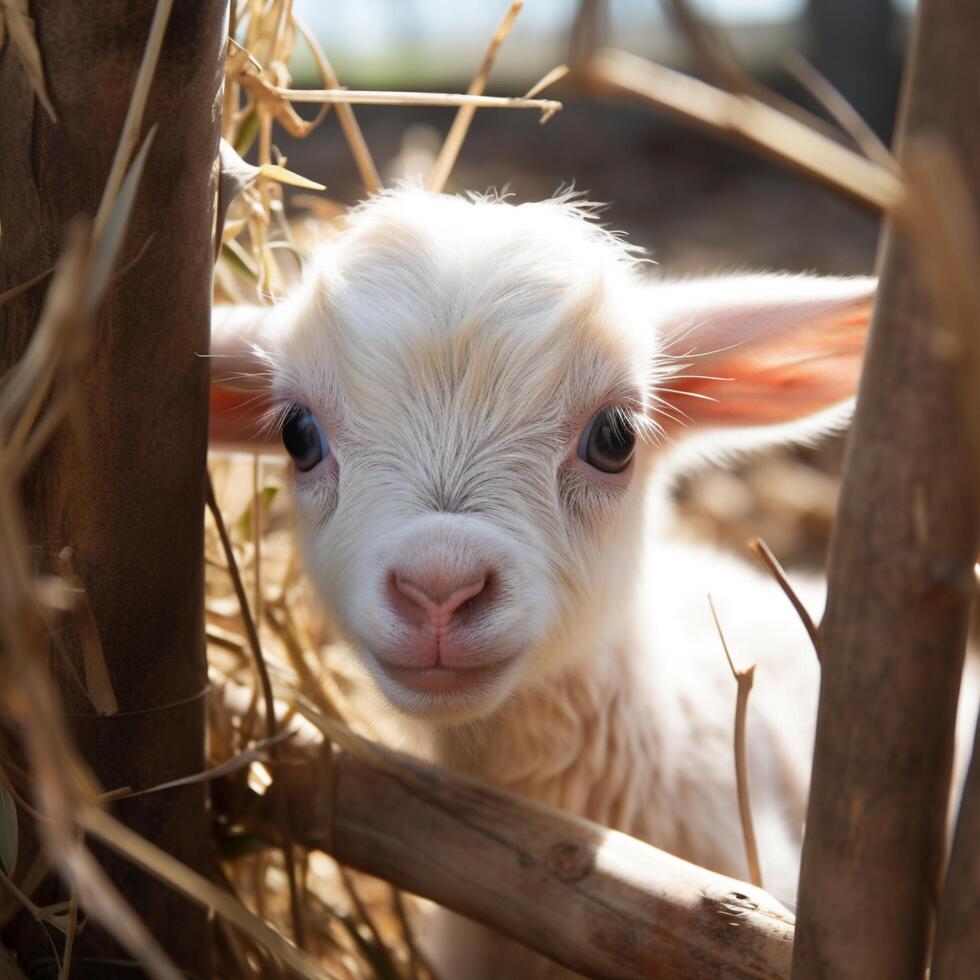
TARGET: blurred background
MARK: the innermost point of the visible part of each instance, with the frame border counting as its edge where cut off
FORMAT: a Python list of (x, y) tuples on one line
[(696, 205)]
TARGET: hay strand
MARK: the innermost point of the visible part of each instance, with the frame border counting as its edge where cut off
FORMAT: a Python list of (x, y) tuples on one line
[(453, 142)]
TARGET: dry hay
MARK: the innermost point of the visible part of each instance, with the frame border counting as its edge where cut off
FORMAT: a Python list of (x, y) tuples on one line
[(356, 926)]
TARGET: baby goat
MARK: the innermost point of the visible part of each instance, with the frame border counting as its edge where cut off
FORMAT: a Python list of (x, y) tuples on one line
[(480, 400)]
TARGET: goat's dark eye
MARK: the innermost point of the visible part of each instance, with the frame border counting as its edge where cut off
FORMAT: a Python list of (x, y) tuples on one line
[(608, 441), (303, 438)]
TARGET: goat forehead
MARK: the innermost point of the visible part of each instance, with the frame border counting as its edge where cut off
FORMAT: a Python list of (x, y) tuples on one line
[(482, 381), (519, 336), (421, 264), (488, 237), (482, 311)]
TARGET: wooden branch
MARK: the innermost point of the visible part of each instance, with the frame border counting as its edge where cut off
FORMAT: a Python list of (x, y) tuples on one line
[(363, 160), (592, 899), (747, 122), (744, 679), (763, 552), (900, 585)]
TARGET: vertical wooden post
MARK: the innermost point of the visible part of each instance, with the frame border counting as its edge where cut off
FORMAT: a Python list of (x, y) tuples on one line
[(900, 587), (128, 499)]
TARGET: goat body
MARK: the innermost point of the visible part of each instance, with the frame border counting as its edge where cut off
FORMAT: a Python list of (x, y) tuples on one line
[(482, 400)]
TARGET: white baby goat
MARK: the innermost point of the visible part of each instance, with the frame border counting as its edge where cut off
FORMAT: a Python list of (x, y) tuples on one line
[(480, 399)]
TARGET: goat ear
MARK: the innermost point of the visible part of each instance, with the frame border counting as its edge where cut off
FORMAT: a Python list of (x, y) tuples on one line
[(749, 353), (239, 373)]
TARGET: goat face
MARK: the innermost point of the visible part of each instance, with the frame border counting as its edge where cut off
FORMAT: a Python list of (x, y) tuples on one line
[(468, 389), (462, 386)]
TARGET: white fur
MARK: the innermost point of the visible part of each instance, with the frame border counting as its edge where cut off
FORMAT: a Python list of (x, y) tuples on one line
[(453, 350)]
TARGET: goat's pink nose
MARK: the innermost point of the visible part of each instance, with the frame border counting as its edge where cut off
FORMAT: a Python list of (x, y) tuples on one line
[(439, 600)]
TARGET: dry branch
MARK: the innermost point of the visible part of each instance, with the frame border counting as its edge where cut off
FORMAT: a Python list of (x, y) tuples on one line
[(850, 121), (716, 59), (453, 142), (345, 114), (548, 107), (763, 552), (744, 679), (901, 580), (271, 722), (748, 122), (592, 899)]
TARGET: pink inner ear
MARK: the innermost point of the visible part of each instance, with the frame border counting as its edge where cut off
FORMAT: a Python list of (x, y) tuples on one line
[(239, 376), (236, 418), (781, 375)]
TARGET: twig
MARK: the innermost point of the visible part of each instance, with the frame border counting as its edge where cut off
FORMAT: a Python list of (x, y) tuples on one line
[(898, 609), (528, 871), (8, 294), (257, 538), (345, 116), (761, 550), (134, 113), (451, 146), (196, 887), (555, 75), (743, 680), (749, 122), (711, 49), (271, 725), (398, 904), (234, 764), (359, 97), (7, 882), (718, 62), (584, 35), (362, 913), (846, 116), (309, 683)]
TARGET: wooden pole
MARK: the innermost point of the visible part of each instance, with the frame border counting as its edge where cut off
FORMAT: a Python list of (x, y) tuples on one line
[(125, 489), (901, 562)]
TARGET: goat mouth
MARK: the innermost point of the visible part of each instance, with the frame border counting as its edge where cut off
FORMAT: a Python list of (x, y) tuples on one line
[(443, 680)]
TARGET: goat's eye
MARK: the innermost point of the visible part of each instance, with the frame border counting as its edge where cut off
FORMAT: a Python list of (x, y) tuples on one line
[(608, 441), (304, 439)]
